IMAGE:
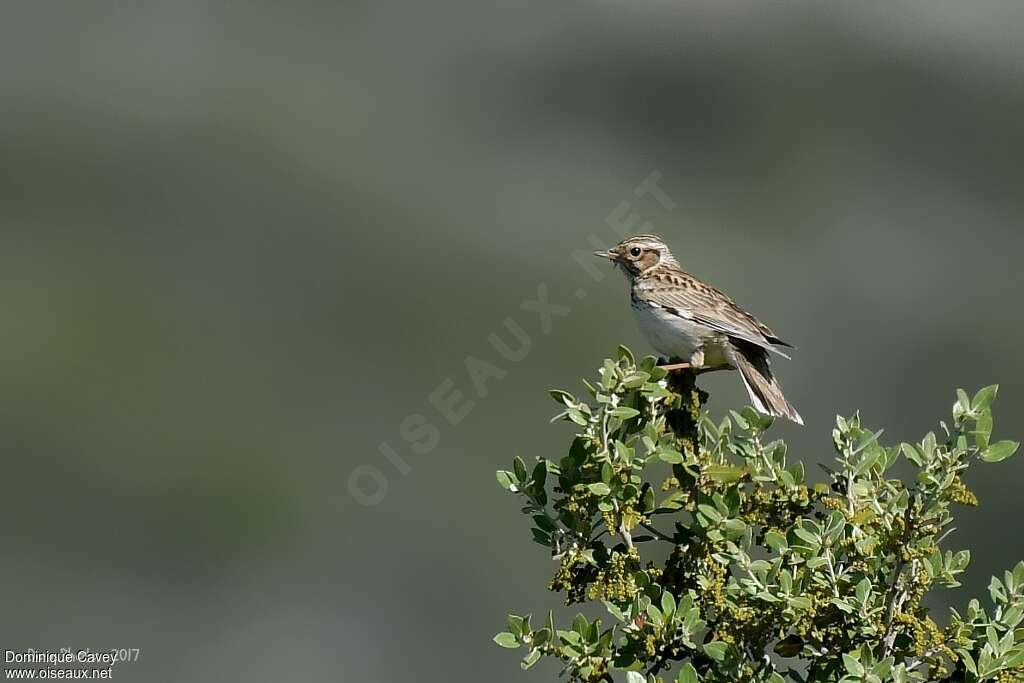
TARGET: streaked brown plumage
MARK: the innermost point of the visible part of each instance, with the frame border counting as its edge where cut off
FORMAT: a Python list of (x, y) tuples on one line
[(687, 319)]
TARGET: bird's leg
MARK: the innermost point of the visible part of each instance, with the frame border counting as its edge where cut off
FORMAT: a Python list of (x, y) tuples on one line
[(696, 362)]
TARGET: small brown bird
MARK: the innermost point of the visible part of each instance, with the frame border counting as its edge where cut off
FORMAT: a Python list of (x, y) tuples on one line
[(688, 320)]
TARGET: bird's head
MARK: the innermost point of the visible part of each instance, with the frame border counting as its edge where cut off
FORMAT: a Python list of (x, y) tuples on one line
[(639, 254)]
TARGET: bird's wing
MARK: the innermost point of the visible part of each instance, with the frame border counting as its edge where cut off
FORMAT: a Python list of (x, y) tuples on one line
[(684, 295)]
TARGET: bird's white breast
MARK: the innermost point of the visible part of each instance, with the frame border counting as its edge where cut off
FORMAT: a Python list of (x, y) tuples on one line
[(675, 336)]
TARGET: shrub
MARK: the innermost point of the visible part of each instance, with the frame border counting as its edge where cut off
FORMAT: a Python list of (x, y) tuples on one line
[(717, 561)]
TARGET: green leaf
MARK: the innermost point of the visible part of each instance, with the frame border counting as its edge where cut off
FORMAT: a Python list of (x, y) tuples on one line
[(853, 667), (670, 456), (912, 454), (963, 402), (806, 536), (540, 474), (863, 589), (648, 498), (668, 603), (983, 399), (789, 646), (775, 540), (716, 649), (625, 354), (571, 637), (687, 674), (577, 416), (968, 661), (734, 527), (624, 412), (653, 391), (710, 512), (799, 602), (545, 523), (506, 480), (1000, 450), (507, 640), (519, 467), (725, 474), (635, 380), (563, 397), (623, 452), (983, 429), (614, 610), (757, 421), (600, 489), (530, 659)]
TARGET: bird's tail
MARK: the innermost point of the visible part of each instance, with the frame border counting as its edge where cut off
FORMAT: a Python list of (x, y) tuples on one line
[(765, 393)]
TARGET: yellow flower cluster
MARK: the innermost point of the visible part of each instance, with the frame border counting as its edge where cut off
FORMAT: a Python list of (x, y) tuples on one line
[(616, 583), (959, 493)]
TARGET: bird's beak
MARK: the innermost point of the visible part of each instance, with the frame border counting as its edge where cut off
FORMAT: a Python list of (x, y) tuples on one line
[(608, 254)]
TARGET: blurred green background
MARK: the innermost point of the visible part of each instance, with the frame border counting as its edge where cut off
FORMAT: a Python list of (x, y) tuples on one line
[(242, 242)]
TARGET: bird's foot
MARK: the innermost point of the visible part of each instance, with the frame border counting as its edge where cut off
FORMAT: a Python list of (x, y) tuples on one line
[(696, 363)]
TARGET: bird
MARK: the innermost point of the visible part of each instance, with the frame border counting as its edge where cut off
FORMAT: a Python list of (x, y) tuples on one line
[(689, 320)]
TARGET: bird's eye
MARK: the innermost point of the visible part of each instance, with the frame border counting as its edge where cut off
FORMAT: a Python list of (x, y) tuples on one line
[(635, 251)]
